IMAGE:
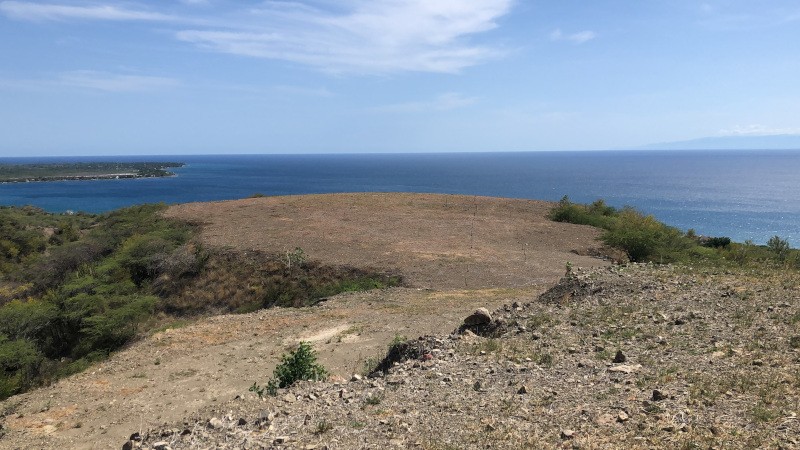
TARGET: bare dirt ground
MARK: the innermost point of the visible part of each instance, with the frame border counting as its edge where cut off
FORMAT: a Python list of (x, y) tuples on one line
[(457, 253), (436, 241)]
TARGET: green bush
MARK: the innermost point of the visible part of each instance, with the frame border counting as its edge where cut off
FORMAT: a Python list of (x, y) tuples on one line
[(297, 365), (642, 237), (19, 365), (780, 247)]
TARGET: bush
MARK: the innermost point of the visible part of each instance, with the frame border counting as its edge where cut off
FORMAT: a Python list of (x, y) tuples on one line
[(642, 237), (19, 365), (717, 242), (779, 246), (300, 364)]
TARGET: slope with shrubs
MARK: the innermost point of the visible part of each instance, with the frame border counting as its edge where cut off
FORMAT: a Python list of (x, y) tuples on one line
[(645, 239), (76, 287)]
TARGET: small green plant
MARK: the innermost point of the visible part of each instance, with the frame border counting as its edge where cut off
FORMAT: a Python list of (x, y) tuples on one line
[(297, 365), (374, 399), (323, 427), (296, 257)]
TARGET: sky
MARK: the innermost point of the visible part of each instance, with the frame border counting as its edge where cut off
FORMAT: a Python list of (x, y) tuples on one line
[(229, 77)]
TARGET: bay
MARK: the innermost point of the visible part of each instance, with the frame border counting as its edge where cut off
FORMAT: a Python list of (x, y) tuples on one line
[(741, 194)]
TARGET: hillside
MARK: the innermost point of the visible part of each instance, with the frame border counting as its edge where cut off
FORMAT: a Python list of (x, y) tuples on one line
[(635, 356), (457, 253)]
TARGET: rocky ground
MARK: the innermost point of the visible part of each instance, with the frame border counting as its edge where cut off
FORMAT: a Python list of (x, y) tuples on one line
[(625, 356), (636, 357)]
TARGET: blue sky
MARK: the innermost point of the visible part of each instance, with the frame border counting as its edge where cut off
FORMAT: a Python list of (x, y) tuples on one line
[(216, 76)]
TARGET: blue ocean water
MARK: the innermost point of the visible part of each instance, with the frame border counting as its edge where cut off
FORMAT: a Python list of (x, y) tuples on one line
[(741, 194)]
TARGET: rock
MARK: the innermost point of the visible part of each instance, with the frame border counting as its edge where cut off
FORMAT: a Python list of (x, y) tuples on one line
[(522, 390), (481, 316), (622, 417), (758, 362), (619, 357), (356, 377), (161, 445), (215, 423), (659, 395), (625, 368), (289, 398), (280, 440), (241, 422), (567, 434), (127, 446)]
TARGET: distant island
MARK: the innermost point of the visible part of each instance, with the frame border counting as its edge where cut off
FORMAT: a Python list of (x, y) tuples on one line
[(24, 173)]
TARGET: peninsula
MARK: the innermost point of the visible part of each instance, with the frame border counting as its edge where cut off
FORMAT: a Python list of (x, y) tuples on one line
[(23, 173)]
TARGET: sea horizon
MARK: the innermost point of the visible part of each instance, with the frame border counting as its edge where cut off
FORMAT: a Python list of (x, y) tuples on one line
[(742, 194)]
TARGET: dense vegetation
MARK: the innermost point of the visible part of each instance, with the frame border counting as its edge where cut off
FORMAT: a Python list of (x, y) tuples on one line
[(74, 288), (83, 170), (643, 238)]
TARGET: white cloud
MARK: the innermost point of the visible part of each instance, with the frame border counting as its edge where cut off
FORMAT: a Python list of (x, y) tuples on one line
[(111, 82), (373, 36), (354, 36), (444, 102), (576, 38), (48, 11), (757, 130)]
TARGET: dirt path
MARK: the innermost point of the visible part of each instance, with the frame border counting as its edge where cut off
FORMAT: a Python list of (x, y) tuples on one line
[(436, 241)]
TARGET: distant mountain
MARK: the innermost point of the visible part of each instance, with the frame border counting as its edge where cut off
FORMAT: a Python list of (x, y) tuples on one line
[(772, 142)]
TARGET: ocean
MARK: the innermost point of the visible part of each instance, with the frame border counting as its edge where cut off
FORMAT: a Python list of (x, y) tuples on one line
[(740, 194)]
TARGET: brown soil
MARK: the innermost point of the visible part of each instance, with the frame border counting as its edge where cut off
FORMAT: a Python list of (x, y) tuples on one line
[(456, 252), (436, 241)]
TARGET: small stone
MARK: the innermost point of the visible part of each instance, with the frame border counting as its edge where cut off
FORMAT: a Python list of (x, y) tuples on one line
[(289, 398), (241, 422), (567, 434), (622, 417), (161, 445), (522, 390), (214, 423), (356, 377), (758, 362), (659, 395), (619, 357), (127, 445), (572, 350), (281, 440), (481, 316)]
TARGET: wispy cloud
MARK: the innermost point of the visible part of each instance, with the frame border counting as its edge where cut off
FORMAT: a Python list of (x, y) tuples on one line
[(94, 81), (757, 130), (355, 36), (111, 82), (372, 36), (47, 11), (746, 16), (444, 102), (576, 38), (305, 91)]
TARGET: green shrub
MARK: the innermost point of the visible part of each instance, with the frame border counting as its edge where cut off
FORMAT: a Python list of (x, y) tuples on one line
[(780, 247), (717, 242), (19, 365), (297, 365), (642, 237)]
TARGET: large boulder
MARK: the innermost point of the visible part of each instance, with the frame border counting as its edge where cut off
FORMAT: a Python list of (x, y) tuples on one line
[(481, 316)]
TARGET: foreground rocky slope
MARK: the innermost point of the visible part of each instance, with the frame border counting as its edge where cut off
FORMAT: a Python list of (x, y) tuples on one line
[(636, 356)]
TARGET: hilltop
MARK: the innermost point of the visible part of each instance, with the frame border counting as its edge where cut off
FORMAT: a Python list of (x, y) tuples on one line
[(436, 241), (637, 356)]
